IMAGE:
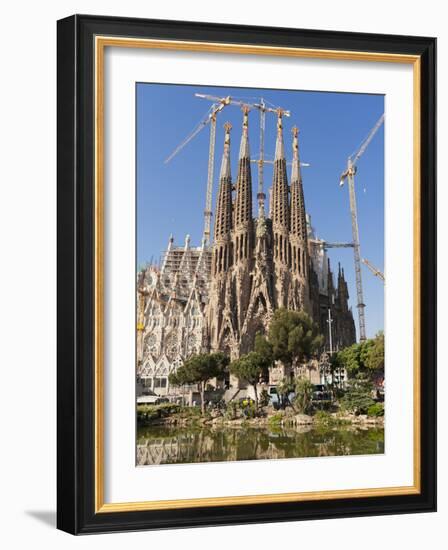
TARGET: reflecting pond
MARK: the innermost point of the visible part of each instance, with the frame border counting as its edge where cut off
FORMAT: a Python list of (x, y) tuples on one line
[(167, 445)]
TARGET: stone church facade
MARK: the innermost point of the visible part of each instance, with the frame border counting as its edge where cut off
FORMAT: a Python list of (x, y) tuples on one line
[(218, 298), (171, 322)]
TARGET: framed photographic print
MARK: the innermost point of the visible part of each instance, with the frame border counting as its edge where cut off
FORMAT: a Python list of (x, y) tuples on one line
[(246, 274)]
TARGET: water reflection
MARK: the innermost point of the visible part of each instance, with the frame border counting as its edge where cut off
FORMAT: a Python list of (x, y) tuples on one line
[(164, 445)]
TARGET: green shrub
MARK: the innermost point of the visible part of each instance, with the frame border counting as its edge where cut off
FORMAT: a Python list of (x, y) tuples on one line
[(263, 400), (146, 413), (304, 392), (358, 396), (323, 417), (249, 410), (231, 410), (275, 419), (376, 410), (190, 411)]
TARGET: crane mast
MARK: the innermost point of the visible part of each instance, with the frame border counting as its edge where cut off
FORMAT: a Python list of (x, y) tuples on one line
[(356, 251), (261, 195), (208, 197), (349, 175)]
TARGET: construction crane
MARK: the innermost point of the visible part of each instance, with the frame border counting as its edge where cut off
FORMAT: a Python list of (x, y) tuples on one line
[(374, 270), (325, 244), (263, 108), (210, 119), (349, 174)]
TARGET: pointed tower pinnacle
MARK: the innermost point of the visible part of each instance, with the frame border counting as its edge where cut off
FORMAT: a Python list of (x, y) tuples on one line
[(167, 255), (279, 147), (244, 146), (295, 175), (186, 265), (280, 207), (343, 294), (225, 163), (243, 202), (223, 218), (298, 215), (330, 283)]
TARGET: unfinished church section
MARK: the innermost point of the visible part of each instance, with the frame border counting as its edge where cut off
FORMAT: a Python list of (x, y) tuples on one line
[(171, 303)]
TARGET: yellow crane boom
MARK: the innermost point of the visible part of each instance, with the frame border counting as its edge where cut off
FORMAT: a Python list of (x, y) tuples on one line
[(374, 270)]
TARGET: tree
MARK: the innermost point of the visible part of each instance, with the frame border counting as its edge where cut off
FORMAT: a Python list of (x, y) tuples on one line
[(199, 369), (264, 348), (250, 367), (375, 360), (365, 350), (358, 397), (304, 393), (349, 358), (294, 337), (364, 356)]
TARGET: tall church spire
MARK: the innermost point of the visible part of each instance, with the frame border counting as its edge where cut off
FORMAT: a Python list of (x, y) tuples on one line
[(298, 216), (244, 145), (279, 147), (223, 219), (343, 294), (243, 202), (243, 234), (280, 207)]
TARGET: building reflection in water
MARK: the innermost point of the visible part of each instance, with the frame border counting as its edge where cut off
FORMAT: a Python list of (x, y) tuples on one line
[(162, 445)]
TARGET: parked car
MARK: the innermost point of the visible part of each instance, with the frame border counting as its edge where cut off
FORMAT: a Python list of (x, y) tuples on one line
[(279, 401), (321, 394)]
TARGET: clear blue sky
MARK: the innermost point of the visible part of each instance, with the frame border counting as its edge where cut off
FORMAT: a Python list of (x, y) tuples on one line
[(171, 197)]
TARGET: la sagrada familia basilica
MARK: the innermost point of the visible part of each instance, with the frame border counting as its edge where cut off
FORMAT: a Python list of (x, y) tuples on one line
[(218, 297)]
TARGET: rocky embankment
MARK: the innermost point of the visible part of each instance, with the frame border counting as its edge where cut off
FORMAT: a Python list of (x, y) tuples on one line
[(283, 418)]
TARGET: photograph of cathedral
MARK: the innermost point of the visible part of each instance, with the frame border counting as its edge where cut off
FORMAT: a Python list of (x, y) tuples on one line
[(251, 332)]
